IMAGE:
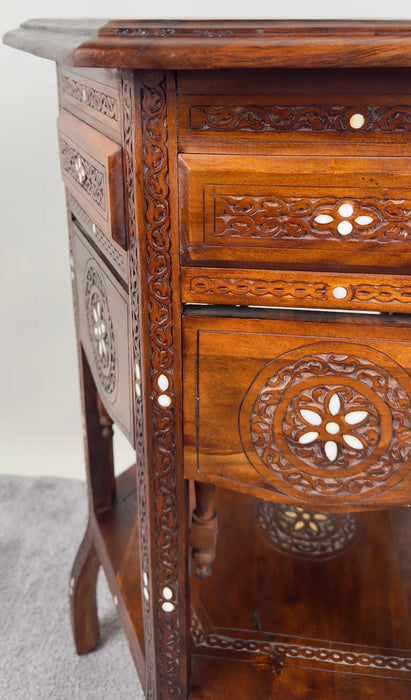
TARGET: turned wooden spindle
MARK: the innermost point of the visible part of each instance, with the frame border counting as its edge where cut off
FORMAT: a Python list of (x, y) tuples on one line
[(204, 529)]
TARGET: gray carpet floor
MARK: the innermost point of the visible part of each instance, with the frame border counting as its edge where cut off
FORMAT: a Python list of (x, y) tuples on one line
[(42, 522)]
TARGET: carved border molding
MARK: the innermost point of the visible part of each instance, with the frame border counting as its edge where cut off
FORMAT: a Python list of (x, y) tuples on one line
[(302, 650), (90, 97), (158, 246), (300, 289), (128, 97), (311, 118), (258, 288), (113, 253)]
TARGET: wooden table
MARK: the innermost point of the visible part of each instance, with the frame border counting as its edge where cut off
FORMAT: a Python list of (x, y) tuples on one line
[(230, 186)]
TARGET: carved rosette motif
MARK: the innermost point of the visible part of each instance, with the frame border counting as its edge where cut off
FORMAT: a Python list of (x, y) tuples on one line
[(324, 421), (326, 218), (299, 532), (84, 173), (100, 329), (314, 118)]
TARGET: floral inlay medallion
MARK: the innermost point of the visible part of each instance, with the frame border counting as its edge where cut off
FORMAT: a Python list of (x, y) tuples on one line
[(306, 533), (329, 419)]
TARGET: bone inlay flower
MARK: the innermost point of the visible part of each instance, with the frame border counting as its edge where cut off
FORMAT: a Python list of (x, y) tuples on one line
[(333, 426), (100, 330)]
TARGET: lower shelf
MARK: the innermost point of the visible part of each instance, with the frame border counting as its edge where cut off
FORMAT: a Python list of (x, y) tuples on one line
[(280, 616)]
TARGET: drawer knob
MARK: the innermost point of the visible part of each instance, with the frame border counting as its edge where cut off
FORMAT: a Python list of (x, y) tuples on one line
[(357, 120)]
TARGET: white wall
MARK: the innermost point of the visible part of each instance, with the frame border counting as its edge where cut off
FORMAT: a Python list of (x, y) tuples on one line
[(40, 427)]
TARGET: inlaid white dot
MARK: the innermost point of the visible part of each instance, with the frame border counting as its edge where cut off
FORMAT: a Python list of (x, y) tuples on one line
[(137, 371), (164, 400), (138, 390), (353, 442), (346, 210), (167, 593), (168, 607), (94, 229), (323, 219), (339, 292), (330, 449), (332, 428), (357, 120), (84, 95), (115, 600), (145, 592), (363, 220), (344, 228), (71, 586), (145, 578), (162, 382)]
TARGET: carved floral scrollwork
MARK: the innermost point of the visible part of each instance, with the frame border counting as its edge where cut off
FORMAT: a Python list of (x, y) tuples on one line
[(314, 118), (329, 422), (276, 217)]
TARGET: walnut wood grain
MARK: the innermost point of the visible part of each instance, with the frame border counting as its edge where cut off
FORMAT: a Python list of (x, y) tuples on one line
[(180, 44), (303, 416)]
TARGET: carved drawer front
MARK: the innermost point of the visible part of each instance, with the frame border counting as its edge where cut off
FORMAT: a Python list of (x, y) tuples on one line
[(299, 407), (92, 170), (277, 110), (104, 331), (339, 213)]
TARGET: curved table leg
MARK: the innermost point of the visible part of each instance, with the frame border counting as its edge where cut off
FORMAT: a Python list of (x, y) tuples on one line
[(83, 602)]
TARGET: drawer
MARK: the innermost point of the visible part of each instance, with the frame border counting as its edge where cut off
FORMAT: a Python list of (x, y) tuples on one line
[(93, 95), (103, 318), (92, 171), (299, 407), (297, 212), (273, 110)]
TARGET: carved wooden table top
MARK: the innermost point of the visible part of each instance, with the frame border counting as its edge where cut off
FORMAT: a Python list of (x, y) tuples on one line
[(239, 222)]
